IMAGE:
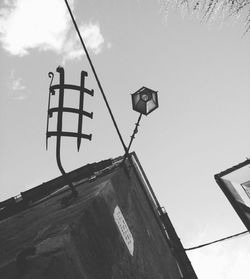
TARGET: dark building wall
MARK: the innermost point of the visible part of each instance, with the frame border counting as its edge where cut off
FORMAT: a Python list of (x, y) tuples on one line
[(86, 239)]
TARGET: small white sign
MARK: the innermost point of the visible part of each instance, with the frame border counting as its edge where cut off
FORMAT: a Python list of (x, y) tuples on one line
[(124, 229)]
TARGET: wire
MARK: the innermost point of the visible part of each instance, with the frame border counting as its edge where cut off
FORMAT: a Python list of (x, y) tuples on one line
[(219, 240), (96, 77)]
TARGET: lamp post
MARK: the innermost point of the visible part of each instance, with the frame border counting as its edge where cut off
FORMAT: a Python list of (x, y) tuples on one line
[(144, 101)]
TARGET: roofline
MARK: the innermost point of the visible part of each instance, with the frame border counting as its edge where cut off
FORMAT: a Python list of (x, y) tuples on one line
[(229, 170)]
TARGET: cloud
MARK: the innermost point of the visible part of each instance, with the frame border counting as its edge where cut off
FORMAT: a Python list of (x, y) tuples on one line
[(17, 86), (44, 25), (91, 35)]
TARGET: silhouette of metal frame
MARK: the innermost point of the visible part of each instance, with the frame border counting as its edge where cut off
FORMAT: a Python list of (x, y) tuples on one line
[(60, 110)]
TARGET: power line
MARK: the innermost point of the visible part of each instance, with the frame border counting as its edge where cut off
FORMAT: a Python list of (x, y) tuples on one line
[(215, 241), (96, 77)]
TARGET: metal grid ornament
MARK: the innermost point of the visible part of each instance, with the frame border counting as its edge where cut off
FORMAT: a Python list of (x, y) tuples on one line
[(61, 109)]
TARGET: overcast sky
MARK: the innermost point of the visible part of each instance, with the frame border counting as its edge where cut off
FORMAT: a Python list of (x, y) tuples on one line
[(201, 127)]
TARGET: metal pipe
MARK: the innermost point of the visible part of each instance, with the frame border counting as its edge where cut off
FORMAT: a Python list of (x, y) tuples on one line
[(132, 137)]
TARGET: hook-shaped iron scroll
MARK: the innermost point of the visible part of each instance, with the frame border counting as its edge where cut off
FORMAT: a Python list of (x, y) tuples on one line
[(60, 110)]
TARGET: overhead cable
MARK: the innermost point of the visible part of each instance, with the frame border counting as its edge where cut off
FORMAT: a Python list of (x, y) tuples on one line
[(215, 241), (96, 77)]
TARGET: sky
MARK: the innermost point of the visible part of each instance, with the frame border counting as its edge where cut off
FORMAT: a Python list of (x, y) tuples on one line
[(201, 72)]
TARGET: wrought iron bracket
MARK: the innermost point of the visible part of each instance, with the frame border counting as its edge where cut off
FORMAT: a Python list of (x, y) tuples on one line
[(60, 110)]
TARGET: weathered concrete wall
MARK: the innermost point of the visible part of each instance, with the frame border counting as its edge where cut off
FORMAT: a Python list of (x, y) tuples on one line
[(84, 240)]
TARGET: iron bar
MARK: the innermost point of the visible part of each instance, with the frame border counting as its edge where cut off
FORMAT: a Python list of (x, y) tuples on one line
[(83, 75), (51, 75), (72, 110), (133, 136), (72, 87), (59, 131), (69, 134)]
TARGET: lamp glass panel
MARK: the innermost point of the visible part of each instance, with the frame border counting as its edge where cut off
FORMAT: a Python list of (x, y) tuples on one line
[(135, 99), (154, 97), (141, 107), (150, 106)]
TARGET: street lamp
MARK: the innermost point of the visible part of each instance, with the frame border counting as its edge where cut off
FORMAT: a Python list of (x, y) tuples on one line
[(144, 101)]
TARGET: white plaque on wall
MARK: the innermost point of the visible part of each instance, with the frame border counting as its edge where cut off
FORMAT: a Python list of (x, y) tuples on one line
[(124, 229)]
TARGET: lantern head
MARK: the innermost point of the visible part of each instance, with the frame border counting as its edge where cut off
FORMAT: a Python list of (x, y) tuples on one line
[(145, 100)]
